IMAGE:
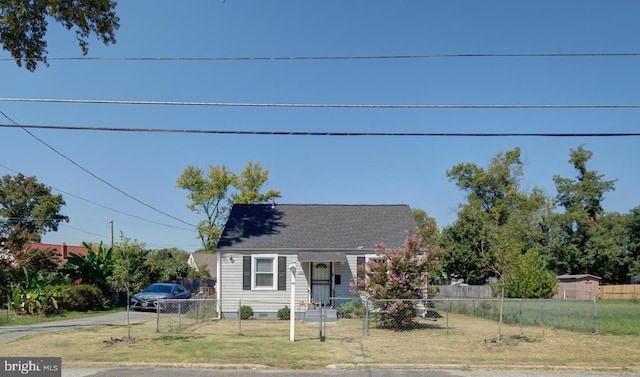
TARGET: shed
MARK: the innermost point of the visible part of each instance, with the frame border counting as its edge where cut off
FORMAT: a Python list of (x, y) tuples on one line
[(578, 287)]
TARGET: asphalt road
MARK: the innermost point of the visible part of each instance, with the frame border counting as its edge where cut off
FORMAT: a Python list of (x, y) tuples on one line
[(159, 372)]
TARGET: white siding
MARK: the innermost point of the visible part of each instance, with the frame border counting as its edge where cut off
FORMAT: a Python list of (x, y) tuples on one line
[(231, 294)]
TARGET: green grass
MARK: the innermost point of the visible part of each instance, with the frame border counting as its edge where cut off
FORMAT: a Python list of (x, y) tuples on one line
[(10, 319), (266, 343), (616, 317), (619, 317)]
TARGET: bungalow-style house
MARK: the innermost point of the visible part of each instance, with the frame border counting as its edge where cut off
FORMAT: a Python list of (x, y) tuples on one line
[(325, 243), (207, 262), (204, 261)]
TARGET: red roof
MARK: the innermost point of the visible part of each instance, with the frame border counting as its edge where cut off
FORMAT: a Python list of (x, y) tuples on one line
[(62, 250)]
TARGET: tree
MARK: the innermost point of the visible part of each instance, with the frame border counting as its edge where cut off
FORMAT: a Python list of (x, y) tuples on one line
[(530, 278), (28, 210), (94, 268), (167, 264), (128, 273), (585, 239), (212, 195), (249, 183), (394, 278), (23, 25), (427, 229), (499, 222), (208, 196), (632, 257)]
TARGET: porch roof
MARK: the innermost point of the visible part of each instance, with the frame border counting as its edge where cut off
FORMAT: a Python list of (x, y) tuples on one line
[(322, 256)]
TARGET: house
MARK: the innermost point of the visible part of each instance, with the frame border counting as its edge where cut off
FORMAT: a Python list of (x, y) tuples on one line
[(209, 263), (204, 261), (325, 243), (579, 287), (62, 251)]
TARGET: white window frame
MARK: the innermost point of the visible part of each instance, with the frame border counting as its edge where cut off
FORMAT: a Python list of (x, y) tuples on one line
[(274, 272)]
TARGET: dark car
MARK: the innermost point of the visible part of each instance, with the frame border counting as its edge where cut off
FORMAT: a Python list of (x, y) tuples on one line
[(148, 298)]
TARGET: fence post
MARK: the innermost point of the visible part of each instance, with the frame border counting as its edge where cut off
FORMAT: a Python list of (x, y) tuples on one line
[(323, 312), (520, 316), (197, 311), (239, 317), (179, 316), (540, 321), (366, 318), (157, 315), (595, 314), (447, 316)]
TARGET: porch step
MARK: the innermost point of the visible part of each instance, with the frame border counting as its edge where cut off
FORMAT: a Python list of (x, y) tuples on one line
[(313, 315)]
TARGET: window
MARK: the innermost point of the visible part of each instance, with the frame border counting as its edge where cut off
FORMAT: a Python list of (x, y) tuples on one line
[(264, 273)]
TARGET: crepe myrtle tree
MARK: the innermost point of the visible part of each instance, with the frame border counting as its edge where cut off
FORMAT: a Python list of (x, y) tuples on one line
[(395, 278)]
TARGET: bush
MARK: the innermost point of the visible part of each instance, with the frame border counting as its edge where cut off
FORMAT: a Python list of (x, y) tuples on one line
[(352, 309), (284, 313), (245, 312), (82, 298)]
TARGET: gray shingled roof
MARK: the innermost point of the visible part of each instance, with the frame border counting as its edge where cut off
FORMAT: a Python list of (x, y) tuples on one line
[(208, 260), (315, 226)]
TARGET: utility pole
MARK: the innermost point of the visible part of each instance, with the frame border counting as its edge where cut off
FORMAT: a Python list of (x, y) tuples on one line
[(111, 226)]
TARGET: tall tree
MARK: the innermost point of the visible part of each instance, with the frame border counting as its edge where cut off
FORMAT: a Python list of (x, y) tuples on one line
[(585, 239), (632, 256), (214, 195), (506, 220), (249, 183), (208, 196), (28, 210), (498, 219), (23, 25)]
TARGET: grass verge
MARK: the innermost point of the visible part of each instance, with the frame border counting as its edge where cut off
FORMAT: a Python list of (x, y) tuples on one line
[(266, 343)]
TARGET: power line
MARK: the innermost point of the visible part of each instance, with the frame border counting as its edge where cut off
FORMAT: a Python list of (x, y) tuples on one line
[(16, 125), (341, 57), (322, 105), (84, 231), (332, 133), (105, 207)]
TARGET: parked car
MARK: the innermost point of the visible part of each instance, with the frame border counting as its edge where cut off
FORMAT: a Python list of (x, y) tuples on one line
[(148, 298)]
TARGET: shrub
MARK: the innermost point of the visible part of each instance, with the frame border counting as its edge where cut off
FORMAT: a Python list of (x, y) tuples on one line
[(351, 309), (284, 313), (245, 312), (83, 297)]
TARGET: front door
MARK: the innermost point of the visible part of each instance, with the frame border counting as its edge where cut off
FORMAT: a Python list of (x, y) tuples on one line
[(320, 282)]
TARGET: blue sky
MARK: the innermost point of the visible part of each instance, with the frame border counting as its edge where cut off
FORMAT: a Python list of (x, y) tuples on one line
[(337, 170)]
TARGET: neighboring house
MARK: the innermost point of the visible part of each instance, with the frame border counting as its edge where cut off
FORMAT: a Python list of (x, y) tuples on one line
[(62, 251), (580, 287), (204, 261), (326, 242)]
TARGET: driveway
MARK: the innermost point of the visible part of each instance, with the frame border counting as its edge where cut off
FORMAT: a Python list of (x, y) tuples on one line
[(8, 333)]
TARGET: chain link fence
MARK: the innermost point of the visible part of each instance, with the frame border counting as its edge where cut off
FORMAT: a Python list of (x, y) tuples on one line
[(354, 318)]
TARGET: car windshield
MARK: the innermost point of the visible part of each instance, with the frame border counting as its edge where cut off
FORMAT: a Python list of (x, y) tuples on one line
[(159, 288)]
